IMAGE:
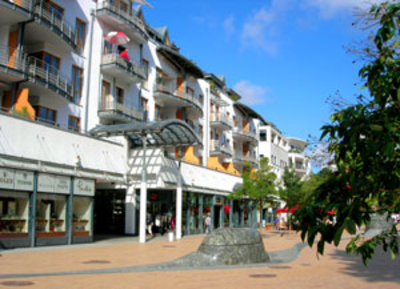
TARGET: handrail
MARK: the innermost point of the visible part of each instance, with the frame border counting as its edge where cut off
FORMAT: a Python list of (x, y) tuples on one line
[(50, 75), (115, 105), (131, 67), (46, 12), (215, 145), (222, 118), (170, 88), (243, 158), (123, 11), (12, 58), (26, 4), (249, 133)]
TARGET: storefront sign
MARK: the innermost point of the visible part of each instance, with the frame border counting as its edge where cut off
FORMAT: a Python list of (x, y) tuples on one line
[(84, 187), (62, 185), (46, 183), (23, 181), (7, 177)]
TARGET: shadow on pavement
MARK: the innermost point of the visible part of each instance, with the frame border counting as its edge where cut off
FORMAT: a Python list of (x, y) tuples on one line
[(380, 269)]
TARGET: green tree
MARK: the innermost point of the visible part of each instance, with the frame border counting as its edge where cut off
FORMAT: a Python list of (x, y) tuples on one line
[(364, 139), (257, 185), (291, 192)]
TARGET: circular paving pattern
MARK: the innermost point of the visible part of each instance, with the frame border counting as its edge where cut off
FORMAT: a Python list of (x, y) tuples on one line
[(97, 262), (17, 283), (262, 275)]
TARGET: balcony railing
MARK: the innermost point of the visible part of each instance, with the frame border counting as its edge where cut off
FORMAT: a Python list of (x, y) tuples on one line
[(246, 133), (50, 77), (170, 89), (56, 20), (120, 108), (216, 146), (241, 158), (223, 118), (122, 11), (25, 4), (130, 67), (11, 58)]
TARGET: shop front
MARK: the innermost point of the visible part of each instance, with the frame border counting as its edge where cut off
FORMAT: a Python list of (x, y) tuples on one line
[(40, 209)]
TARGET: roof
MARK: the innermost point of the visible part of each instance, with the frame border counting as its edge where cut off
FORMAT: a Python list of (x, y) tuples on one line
[(297, 142), (180, 61), (169, 132), (216, 79), (250, 112)]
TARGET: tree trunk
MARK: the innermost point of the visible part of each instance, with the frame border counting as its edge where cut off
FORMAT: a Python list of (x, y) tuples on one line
[(261, 215)]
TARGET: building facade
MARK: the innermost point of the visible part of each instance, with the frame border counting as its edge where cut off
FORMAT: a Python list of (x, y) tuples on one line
[(60, 80)]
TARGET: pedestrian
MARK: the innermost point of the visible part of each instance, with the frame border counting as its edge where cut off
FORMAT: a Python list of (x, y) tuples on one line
[(150, 224), (207, 223)]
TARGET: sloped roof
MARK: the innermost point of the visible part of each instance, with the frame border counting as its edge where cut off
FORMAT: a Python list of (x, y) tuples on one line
[(250, 112)]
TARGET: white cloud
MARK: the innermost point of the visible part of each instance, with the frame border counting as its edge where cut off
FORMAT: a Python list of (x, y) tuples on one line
[(251, 93), (260, 30), (329, 8), (229, 25)]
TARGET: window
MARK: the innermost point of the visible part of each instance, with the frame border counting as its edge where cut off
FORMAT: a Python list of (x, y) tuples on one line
[(120, 95), (158, 112), (55, 10), (80, 35), (77, 79), (143, 106), (51, 62), (145, 65), (105, 95), (190, 91), (263, 135), (108, 48), (201, 99), (46, 115), (74, 123)]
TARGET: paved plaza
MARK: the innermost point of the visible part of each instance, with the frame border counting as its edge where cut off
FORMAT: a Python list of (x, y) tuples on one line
[(125, 263)]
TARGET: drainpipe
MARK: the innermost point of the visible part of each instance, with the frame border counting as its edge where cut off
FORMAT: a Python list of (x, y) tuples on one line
[(89, 68)]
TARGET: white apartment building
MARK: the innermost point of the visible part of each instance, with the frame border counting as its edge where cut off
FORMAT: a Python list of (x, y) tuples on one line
[(90, 143), (283, 151)]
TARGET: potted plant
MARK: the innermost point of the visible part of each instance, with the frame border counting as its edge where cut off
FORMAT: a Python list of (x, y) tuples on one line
[(269, 226)]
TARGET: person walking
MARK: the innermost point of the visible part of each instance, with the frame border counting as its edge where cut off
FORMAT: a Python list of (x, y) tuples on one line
[(207, 223), (150, 224)]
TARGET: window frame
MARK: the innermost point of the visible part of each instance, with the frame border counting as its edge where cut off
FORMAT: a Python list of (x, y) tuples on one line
[(80, 45)]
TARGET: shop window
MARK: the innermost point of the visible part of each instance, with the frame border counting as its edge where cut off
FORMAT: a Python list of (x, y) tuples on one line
[(194, 214), (51, 211), (82, 216), (74, 123), (13, 214), (80, 35)]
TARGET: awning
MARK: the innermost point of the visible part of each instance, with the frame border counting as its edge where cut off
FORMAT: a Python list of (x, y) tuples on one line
[(180, 61), (165, 133), (285, 210)]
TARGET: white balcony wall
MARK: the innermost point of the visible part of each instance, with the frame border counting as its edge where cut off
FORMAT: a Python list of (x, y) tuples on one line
[(24, 139)]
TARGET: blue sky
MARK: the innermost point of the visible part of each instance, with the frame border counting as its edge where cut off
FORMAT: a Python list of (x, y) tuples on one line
[(285, 57)]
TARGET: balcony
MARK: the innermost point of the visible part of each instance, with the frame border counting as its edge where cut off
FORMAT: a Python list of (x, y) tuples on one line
[(50, 27), (170, 96), (245, 135), (221, 121), (113, 111), (116, 66), (46, 79), (217, 149), (15, 11), (119, 17), (12, 65), (241, 159)]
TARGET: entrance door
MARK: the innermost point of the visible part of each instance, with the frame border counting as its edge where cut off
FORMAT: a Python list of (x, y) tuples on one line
[(109, 212), (217, 213)]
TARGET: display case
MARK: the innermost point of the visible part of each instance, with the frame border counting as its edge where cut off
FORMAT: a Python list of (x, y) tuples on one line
[(13, 214), (82, 216), (51, 212)]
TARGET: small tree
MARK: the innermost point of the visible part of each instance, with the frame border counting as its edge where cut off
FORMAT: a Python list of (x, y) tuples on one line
[(257, 185), (291, 192)]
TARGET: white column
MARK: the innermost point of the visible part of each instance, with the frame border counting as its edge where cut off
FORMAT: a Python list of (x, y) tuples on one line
[(143, 196), (179, 202), (130, 211)]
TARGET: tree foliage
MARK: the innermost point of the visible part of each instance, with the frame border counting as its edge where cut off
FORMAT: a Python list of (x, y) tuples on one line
[(257, 185), (364, 139)]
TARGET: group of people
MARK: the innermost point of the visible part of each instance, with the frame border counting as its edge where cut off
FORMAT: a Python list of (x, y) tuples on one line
[(160, 223)]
